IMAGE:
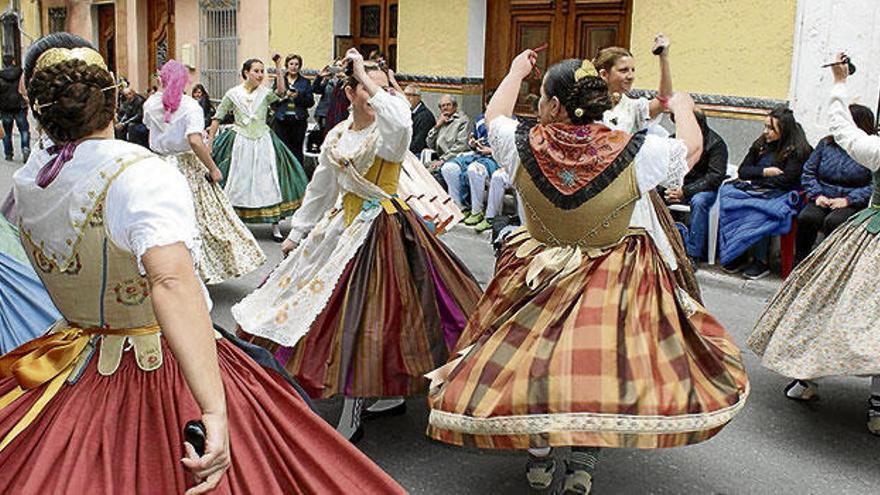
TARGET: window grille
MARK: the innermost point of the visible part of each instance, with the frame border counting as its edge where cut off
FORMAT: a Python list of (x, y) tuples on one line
[(218, 39)]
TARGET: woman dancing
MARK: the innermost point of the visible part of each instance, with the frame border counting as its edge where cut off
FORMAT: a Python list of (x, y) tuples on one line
[(582, 338), (824, 319), (100, 404), (368, 300), (263, 180), (227, 249)]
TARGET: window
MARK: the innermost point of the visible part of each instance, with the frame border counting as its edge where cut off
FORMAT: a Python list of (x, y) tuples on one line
[(218, 40), (57, 18)]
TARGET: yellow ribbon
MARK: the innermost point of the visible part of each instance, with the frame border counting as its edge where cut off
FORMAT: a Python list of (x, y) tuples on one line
[(586, 69), (49, 359)]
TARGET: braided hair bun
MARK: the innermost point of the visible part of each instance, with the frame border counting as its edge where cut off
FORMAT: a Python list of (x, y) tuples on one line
[(73, 96), (585, 99)]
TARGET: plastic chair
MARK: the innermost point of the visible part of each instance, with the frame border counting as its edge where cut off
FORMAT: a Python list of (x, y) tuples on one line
[(426, 155), (715, 213)]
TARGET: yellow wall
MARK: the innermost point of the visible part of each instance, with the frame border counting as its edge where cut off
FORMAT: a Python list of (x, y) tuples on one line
[(304, 27), (725, 47), (432, 37)]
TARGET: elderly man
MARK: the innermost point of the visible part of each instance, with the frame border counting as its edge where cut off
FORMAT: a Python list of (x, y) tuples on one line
[(422, 118), (131, 126), (449, 136)]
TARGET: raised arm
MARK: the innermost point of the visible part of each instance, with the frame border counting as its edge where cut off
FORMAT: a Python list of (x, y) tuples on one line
[(862, 147), (504, 99), (656, 105), (686, 127)]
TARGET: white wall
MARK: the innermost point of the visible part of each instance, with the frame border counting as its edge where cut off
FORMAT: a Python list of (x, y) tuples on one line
[(823, 28)]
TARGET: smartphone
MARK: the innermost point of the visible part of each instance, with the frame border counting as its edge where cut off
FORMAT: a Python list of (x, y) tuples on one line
[(335, 69), (194, 433)]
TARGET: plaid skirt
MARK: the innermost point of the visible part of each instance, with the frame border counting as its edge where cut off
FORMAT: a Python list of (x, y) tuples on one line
[(565, 349)]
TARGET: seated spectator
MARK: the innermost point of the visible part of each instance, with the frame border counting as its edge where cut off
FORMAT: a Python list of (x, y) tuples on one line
[(131, 126), (499, 184), (449, 136), (836, 185), (763, 202), (701, 188), (200, 94), (423, 119), (466, 175)]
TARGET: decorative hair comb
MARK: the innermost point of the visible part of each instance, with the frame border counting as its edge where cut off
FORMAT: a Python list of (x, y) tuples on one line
[(54, 56)]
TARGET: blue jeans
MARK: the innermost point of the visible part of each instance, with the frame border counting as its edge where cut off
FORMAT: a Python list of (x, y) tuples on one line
[(698, 231), (20, 120)]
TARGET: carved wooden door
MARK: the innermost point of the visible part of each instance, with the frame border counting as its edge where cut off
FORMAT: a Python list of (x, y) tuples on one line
[(374, 27), (571, 28), (107, 34), (160, 34)]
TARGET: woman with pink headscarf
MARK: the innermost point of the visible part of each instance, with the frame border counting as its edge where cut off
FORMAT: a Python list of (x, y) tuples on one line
[(176, 123)]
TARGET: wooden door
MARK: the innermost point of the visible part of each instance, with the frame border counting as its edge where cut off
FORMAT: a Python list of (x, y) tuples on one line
[(160, 34), (107, 34), (374, 27), (572, 28)]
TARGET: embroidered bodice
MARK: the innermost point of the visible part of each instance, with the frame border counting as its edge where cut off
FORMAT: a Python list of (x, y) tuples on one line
[(249, 108), (362, 164)]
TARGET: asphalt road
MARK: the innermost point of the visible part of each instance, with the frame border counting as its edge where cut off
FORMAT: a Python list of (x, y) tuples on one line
[(775, 446)]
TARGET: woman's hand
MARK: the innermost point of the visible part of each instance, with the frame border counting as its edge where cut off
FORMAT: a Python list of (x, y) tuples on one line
[(216, 175), (773, 172), (354, 57), (287, 246), (838, 203), (840, 69), (209, 468), (523, 64), (661, 45)]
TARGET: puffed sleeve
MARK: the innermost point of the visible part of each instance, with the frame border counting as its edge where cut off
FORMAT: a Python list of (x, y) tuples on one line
[(661, 162), (394, 121), (223, 108), (150, 205), (195, 118), (320, 196), (502, 140), (862, 147)]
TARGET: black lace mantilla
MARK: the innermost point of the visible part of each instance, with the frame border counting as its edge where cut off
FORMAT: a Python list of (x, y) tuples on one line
[(588, 192)]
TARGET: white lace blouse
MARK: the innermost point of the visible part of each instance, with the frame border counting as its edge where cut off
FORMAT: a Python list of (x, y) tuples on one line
[(394, 124)]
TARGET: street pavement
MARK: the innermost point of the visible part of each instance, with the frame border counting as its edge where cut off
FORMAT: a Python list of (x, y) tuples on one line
[(774, 446)]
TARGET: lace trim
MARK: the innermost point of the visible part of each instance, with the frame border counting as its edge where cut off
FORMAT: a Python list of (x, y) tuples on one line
[(678, 166), (536, 424), (193, 244)]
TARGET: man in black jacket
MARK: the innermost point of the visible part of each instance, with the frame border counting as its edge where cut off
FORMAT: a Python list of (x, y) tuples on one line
[(701, 188), (13, 108), (422, 118), (131, 119)]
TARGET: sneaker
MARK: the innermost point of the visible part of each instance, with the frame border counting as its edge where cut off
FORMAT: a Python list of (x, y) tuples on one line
[(577, 482), (483, 226), (756, 271), (803, 390), (473, 219), (540, 471), (874, 415)]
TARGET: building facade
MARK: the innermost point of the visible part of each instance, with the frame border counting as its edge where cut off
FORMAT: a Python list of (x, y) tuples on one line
[(739, 58)]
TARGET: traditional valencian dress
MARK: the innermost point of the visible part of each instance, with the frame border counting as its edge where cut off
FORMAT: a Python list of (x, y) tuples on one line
[(633, 115), (825, 319), (228, 249), (583, 337), (370, 300), (99, 405), (263, 180), (26, 310)]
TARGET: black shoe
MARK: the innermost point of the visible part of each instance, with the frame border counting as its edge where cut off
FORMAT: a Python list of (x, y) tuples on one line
[(738, 265), (8, 158), (756, 271), (398, 410)]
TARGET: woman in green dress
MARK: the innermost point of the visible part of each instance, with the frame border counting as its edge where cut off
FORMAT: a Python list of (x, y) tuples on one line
[(262, 178)]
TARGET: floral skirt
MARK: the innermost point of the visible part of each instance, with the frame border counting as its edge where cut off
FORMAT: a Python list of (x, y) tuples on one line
[(568, 350), (266, 183), (825, 319), (123, 434), (363, 310), (228, 249)]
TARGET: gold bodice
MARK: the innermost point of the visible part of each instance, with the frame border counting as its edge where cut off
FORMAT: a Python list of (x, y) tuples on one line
[(384, 174)]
